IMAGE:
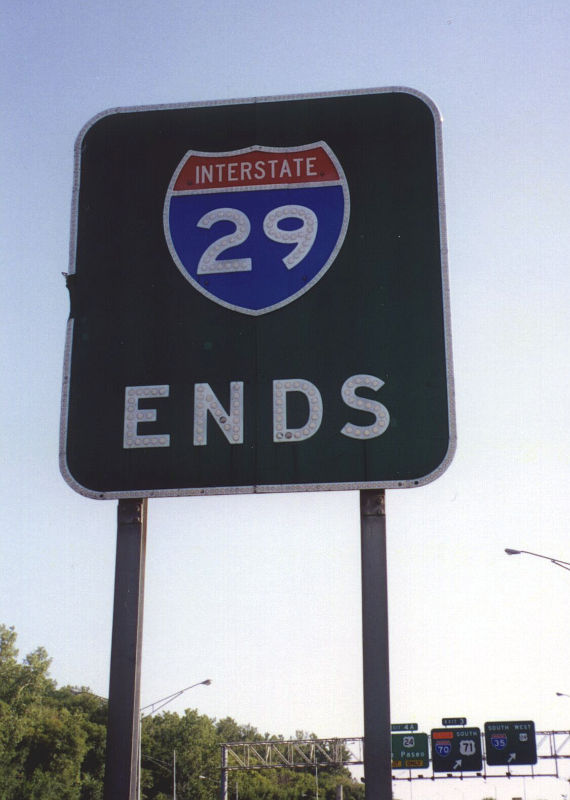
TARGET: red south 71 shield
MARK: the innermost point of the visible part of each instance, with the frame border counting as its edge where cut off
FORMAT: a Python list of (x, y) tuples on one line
[(255, 229)]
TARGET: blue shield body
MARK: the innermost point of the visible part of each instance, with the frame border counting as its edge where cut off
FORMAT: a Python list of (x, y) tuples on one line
[(443, 749), (255, 229), (499, 741)]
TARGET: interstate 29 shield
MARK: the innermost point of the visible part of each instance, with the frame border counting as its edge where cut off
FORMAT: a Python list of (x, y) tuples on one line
[(256, 228)]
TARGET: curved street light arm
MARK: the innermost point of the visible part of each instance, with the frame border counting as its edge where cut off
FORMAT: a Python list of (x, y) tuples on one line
[(158, 704), (559, 563)]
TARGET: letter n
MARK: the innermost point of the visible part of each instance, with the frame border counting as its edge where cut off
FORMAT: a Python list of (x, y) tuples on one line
[(229, 422)]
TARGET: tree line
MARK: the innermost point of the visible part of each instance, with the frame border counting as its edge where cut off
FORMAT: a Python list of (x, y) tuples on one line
[(52, 745)]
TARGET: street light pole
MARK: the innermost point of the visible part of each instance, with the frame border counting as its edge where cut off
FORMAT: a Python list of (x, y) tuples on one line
[(559, 563), (154, 707)]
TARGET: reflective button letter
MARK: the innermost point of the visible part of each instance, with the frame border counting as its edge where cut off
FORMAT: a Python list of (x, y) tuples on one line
[(230, 423), (281, 433), (134, 415), (380, 412)]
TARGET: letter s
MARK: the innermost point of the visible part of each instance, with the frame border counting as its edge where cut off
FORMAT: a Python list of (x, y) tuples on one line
[(379, 411)]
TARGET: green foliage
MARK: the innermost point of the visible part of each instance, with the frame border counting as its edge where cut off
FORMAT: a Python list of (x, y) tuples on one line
[(193, 737), (197, 739), (51, 741), (52, 746)]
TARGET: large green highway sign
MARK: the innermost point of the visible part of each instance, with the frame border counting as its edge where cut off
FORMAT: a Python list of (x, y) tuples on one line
[(258, 298)]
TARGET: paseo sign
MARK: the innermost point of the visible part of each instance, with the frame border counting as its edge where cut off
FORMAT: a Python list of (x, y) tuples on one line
[(258, 298)]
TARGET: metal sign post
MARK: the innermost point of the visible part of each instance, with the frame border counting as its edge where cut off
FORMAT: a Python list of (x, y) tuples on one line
[(123, 729), (377, 743)]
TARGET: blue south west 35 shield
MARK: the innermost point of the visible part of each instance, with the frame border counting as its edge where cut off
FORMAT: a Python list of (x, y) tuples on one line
[(255, 229), (499, 741)]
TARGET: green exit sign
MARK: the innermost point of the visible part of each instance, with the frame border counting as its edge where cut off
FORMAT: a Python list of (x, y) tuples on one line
[(410, 750)]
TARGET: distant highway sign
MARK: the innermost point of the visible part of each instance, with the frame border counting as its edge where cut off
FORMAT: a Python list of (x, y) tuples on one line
[(510, 743), (410, 751), (456, 750)]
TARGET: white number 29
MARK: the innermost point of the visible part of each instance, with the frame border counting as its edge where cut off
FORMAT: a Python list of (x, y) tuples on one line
[(303, 237)]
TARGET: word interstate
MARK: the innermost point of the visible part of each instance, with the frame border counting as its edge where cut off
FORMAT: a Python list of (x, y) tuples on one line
[(243, 171), (231, 421), (255, 167)]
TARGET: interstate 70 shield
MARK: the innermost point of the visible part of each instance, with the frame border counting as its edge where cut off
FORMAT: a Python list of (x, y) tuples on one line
[(254, 229)]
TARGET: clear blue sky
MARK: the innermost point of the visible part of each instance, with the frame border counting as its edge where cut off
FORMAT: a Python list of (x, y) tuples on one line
[(262, 594)]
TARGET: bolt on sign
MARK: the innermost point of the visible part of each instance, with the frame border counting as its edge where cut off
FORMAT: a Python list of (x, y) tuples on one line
[(258, 298), (454, 721)]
